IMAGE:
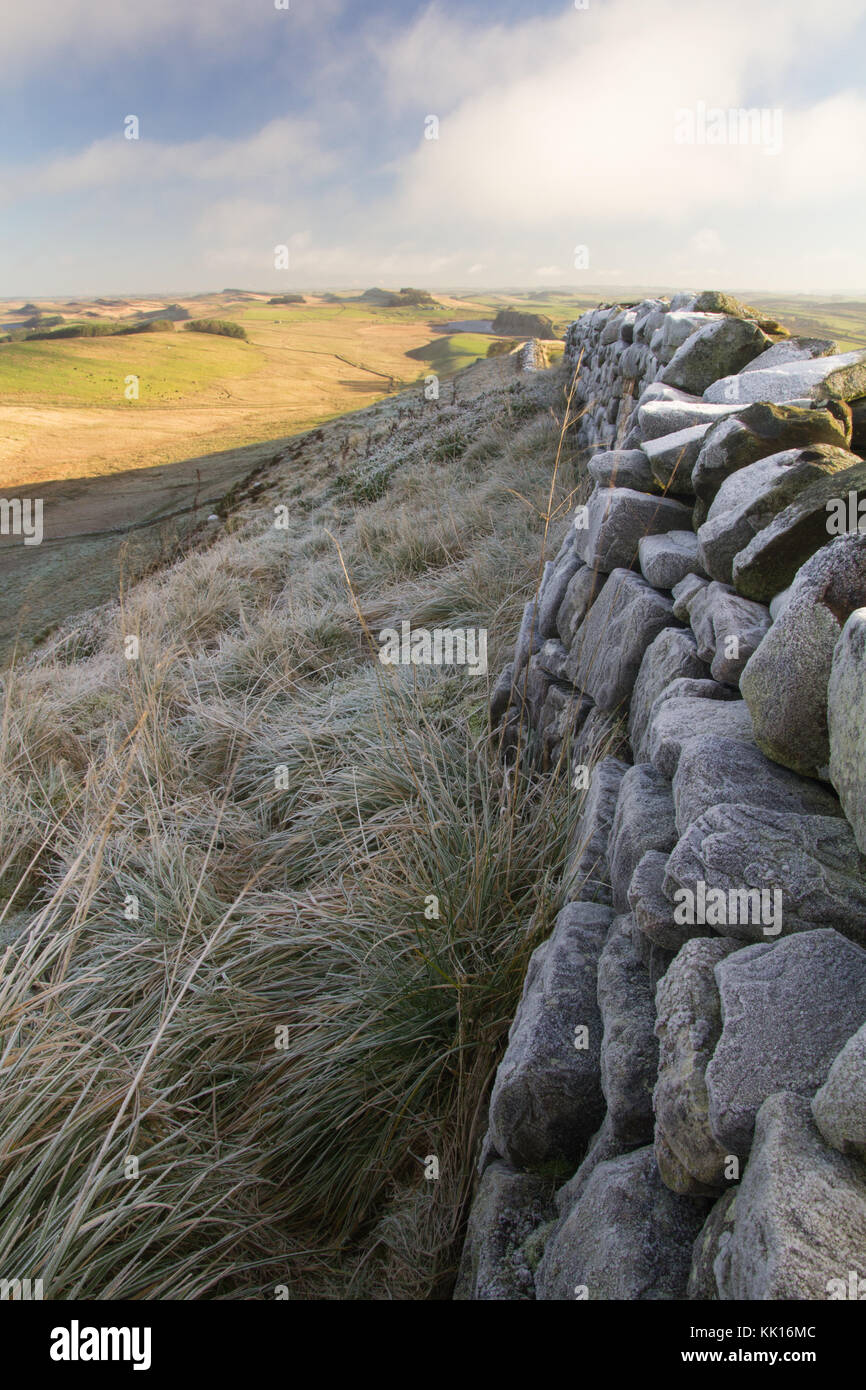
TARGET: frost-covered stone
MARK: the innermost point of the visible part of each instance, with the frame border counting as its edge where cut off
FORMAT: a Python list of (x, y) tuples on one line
[(581, 592), (623, 468), (629, 1050), (508, 1207), (811, 861), (673, 456), (689, 1025), (627, 1237), (846, 712), (839, 1107), (843, 376), (718, 350), (666, 559), (714, 769), (786, 679), (608, 649), (587, 867), (787, 1009), (690, 708), (546, 1100), (617, 519), (799, 1226), (644, 820), (727, 628), (673, 655)]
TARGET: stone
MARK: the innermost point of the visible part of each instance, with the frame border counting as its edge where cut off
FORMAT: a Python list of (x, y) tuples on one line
[(604, 1145), (508, 1207), (799, 1225), (607, 651), (666, 559), (672, 458), (629, 1050), (727, 628), (757, 431), (842, 376), (715, 1235), (750, 499), (587, 872), (627, 1237), (792, 350), (690, 708), (812, 861), (678, 327), (839, 1107), (672, 655), (786, 679), (553, 590), (623, 468), (714, 769), (552, 658), (582, 590), (846, 717), (562, 717), (688, 1027), (772, 558), (644, 820), (652, 911), (661, 417), (528, 638), (603, 735), (787, 1008), (617, 519), (546, 1100), (719, 350)]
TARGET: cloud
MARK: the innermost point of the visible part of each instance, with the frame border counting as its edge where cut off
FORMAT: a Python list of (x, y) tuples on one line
[(280, 147)]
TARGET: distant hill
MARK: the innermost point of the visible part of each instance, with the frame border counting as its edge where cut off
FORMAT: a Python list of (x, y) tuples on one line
[(399, 299), (523, 325)]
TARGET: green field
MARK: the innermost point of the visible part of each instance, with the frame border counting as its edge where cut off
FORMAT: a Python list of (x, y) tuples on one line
[(92, 371)]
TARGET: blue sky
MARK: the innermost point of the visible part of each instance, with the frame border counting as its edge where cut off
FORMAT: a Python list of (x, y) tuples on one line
[(306, 127)]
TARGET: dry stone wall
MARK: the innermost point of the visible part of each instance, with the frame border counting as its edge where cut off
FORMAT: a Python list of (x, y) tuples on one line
[(681, 1108)]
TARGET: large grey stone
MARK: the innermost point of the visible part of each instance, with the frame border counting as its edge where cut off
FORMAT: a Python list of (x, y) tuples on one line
[(770, 561), (687, 709), (758, 431), (714, 1235), (713, 769), (546, 1100), (846, 716), (627, 1237), (661, 417), (508, 1207), (617, 518), (787, 1009), (843, 376), (673, 456), (652, 911), (552, 592), (718, 350), (623, 468), (785, 680), (750, 499), (668, 558), (727, 628), (799, 1227), (792, 350), (607, 651), (671, 656), (603, 735), (811, 861), (587, 870), (839, 1107), (629, 1050), (581, 592), (688, 1027), (644, 820)]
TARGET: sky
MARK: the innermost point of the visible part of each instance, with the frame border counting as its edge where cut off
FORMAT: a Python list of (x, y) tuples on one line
[(452, 144)]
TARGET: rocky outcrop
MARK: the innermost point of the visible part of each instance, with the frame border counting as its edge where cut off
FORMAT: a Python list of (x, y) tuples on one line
[(707, 1138)]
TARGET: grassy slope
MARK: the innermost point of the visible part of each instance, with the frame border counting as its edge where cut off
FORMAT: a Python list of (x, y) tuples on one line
[(270, 900)]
